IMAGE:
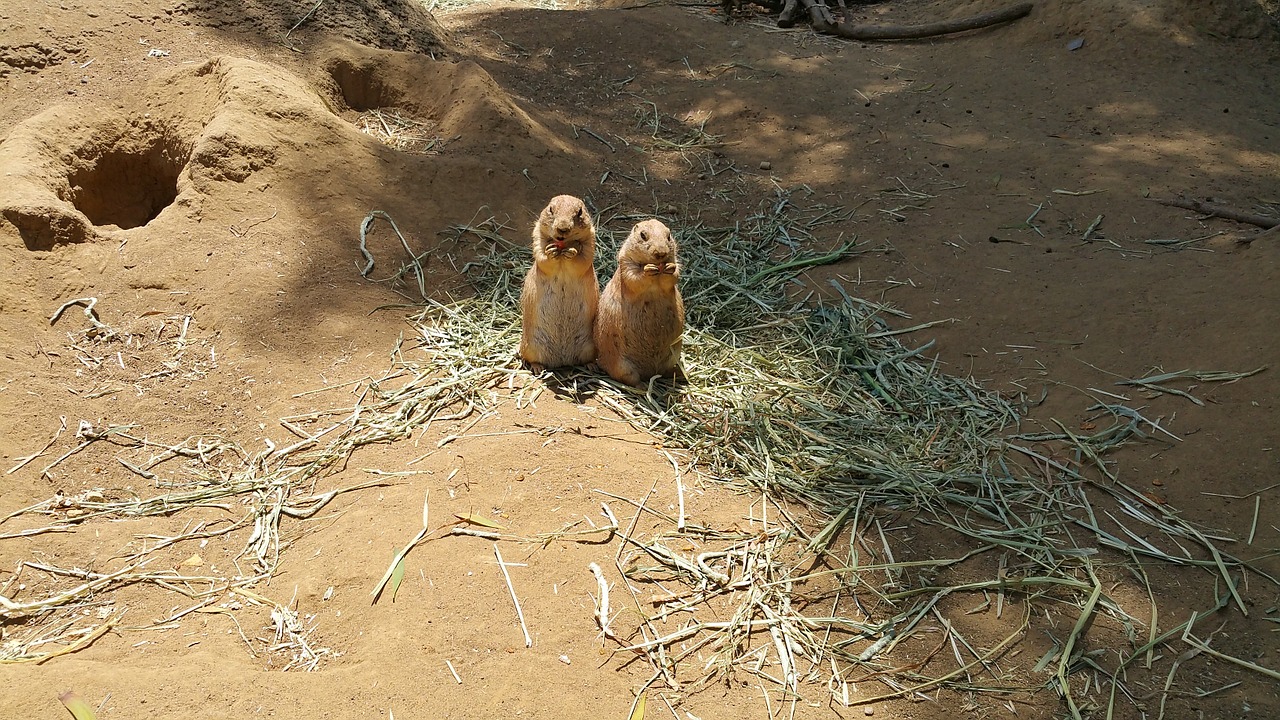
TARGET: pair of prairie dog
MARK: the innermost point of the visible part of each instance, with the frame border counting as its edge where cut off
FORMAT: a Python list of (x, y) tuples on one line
[(632, 329)]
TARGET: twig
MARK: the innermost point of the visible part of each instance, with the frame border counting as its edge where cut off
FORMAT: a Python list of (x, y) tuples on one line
[(415, 260), (62, 420), (528, 641), (602, 602), (82, 643), (89, 312), (11, 609), (304, 19), (1203, 647), (1273, 231), (607, 144), (1088, 233), (679, 491)]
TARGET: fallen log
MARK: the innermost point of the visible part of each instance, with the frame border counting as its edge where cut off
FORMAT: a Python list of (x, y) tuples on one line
[(822, 21), (1272, 232), (1222, 211)]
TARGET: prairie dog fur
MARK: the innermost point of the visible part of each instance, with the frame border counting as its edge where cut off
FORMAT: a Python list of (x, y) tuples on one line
[(641, 313), (560, 295)]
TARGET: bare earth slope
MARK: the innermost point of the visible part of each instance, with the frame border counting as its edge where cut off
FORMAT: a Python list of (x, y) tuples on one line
[(198, 172)]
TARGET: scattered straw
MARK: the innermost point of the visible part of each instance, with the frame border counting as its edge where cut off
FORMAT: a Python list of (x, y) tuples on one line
[(1155, 383), (400, 131), (818, 401), (809, 402), (668, 133)]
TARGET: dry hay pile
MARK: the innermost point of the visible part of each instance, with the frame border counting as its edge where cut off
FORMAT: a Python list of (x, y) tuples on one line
[(818, 402)]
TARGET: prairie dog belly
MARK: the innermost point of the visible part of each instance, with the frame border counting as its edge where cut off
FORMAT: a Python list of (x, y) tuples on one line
[(641, 314), (566, 311), (560, 295)]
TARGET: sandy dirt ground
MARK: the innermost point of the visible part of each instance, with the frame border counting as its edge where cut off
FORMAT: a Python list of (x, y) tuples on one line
[(202, 168)]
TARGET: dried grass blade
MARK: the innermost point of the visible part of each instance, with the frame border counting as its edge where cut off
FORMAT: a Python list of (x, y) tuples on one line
[(377, 590)]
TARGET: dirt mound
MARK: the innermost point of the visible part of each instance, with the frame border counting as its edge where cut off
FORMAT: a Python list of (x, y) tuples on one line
[(402, 25), (31, 49), (178, 176), (78, 176), (460, 98), (1237, 19)]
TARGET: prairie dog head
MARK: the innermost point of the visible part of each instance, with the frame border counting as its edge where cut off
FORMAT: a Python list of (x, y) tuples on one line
[(649, 252), (564, 230)]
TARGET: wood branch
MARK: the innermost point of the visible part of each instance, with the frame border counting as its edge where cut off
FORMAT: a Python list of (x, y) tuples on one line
[(1221, 211), (819, 15), (820, 18), (1273, 232), (787, 18)]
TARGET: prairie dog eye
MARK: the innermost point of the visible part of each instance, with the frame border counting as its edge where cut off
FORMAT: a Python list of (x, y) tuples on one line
[(644, 235)]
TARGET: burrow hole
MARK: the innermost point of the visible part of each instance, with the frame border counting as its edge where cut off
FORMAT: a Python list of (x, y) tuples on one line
[(375, 109), (129, 182), (361, 87)]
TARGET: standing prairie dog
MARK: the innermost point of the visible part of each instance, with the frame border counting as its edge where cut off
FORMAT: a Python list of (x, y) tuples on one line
[(641, 315), (560, 295)]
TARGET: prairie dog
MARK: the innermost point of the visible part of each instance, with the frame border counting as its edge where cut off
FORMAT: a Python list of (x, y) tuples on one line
[(560, 295), (641, 313)]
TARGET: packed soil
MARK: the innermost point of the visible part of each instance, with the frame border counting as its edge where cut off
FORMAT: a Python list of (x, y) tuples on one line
[(201, 168)]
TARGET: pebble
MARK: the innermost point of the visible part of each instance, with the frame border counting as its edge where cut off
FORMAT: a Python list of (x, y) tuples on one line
[(766, 165)]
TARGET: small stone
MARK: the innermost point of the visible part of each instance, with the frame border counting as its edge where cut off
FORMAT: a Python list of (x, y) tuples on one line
[(868, 711), (766, 165), (735, 43)]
